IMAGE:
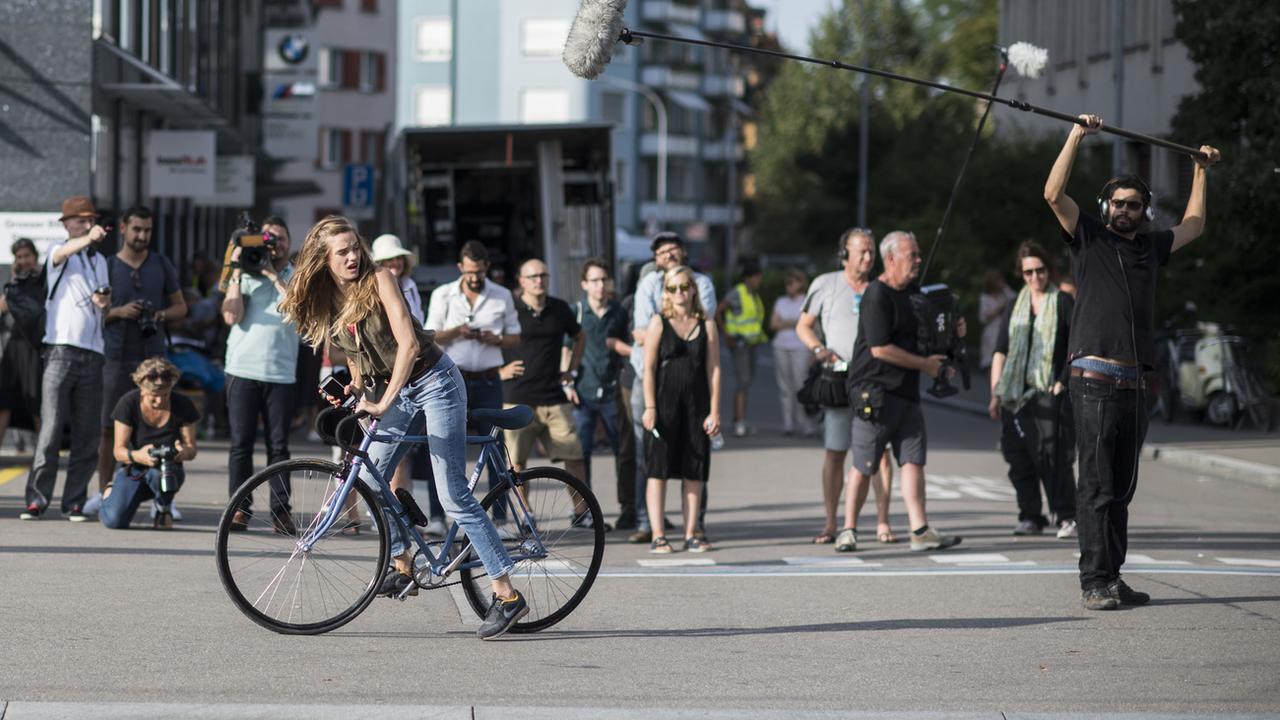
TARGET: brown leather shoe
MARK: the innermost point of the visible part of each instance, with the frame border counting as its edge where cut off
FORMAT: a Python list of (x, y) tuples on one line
[(163, 520), (640, 536), (282, 521), (240, 521)]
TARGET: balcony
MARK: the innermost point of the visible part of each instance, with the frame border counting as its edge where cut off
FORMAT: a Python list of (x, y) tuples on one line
[(725, 21), (677, 212), (714, 85), (721, 149), (677, 145), (664, 11), (658, 76), (720, 214)]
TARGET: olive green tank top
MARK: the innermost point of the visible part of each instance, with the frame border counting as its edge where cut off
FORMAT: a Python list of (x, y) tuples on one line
[(372, 346)]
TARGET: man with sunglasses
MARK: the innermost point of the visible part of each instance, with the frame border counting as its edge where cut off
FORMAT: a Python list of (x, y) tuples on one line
[(1115, 262), (145, 295)]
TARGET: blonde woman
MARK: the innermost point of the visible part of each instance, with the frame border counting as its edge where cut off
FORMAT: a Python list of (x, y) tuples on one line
[(340, 296), (681, 404)]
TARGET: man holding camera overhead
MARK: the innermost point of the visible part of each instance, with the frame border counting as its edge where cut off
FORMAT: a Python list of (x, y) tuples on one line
[(145, 295), (262, 358), (78, 293)]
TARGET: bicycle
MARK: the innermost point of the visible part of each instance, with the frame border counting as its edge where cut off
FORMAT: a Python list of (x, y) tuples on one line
[(317, 569)]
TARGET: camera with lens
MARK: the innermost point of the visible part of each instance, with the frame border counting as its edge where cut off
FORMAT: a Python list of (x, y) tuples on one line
[(936, 317), (165, 457), (147, 319), (255, 245)]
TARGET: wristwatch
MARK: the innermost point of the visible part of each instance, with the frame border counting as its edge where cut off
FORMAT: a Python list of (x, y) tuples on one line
[(818, 350)]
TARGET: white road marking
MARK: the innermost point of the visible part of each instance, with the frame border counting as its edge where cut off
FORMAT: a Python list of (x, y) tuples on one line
[(1148, 560), (676, 562), (1256, 562), (829, 562), (956, 487), (868, 570), (969, 558), (465, 614)]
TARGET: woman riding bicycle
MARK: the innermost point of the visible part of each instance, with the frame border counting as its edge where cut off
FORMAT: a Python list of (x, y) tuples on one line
[(340, 296)]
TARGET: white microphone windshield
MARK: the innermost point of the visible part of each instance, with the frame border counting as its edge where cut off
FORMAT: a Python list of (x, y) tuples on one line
[(1028, 59), (595, 30)]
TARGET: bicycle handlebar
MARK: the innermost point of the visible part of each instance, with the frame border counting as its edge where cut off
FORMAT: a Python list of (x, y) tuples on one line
[(339, 435)]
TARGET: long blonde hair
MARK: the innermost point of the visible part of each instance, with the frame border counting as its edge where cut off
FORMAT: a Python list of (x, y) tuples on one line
[(695, 300), (313, 301)]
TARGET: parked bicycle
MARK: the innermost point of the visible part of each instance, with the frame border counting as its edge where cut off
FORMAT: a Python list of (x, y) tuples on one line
[(325, 570)]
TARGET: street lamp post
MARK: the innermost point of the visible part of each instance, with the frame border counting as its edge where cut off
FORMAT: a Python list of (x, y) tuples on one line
[(660, 108)]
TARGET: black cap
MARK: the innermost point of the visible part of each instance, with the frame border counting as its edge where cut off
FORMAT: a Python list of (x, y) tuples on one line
[(665, 238)]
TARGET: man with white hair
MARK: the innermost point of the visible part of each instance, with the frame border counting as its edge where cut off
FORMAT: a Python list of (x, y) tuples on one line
[(884, 393)]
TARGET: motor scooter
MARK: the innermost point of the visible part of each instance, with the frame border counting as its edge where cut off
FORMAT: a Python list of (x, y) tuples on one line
[(1204, 371)]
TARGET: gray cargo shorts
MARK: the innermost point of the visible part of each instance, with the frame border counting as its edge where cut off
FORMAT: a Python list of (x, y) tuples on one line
[(900, 425)]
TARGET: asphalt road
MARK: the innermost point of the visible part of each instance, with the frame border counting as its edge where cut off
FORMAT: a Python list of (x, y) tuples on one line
[(99, 623)]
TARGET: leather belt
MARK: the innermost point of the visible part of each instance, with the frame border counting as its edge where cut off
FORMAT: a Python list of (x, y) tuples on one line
[(490, 374), (1119, 383)]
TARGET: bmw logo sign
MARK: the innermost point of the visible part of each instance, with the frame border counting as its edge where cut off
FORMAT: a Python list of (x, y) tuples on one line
[(293, 48)]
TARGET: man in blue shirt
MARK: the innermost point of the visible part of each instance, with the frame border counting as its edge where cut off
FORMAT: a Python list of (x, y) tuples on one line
[(262, 357), (605, 330)]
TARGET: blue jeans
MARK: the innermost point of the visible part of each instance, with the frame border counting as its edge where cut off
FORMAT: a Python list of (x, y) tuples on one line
[(130, 489), (72, 394), (486, 393), (585, 415), (438, 401)]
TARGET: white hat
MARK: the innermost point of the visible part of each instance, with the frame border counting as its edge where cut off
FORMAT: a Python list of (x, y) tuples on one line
[(388, 246)]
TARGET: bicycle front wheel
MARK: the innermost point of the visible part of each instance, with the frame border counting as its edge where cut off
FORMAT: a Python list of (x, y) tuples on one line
[(570, 528), (263, 567)]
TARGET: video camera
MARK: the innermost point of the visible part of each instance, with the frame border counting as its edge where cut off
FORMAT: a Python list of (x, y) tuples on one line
[(147, 319), (935, 310), (255, 246), (165, 456)]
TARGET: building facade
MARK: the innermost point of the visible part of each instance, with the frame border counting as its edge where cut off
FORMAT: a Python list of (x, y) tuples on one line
[(1081, 78), (497, 62)]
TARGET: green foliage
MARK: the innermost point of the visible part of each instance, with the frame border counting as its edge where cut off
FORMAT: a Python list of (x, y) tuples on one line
[(1232, 272)]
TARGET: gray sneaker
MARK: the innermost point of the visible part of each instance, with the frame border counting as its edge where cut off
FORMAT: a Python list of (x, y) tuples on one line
[(501, 616), (847, 540), (1098, 599), (1028, 527), (932, 540)]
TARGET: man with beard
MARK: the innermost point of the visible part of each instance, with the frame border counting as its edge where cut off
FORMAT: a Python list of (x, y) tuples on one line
[(145, 295), (1115, 264)]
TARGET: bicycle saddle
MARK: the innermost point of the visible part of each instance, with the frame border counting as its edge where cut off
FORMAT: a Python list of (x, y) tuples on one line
[(512, 418)]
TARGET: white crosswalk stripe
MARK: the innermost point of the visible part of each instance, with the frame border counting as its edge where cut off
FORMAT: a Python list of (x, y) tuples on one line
[(968, 558), (829, 561), (1136, 559), (1255, 562), (675, 562)]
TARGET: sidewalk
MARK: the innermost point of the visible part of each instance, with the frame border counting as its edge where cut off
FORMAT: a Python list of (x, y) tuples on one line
[(1247, 455)]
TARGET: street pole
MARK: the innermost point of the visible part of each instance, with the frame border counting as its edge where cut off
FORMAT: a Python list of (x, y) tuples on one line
[(660, 108), (864, 119), (731, 156), (1117, 57)]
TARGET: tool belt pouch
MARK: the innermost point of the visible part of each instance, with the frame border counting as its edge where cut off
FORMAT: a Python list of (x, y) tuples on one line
[(866, 399), (830, 388)]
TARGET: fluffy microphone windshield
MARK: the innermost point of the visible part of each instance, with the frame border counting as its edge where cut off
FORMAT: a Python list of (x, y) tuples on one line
[(595, 30), (1028, 59)]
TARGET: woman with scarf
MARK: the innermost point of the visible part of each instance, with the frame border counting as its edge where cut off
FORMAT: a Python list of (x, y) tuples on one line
[(1028, 370)]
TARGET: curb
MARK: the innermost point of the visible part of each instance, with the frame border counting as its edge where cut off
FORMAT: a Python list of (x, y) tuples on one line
[(1266, 476)]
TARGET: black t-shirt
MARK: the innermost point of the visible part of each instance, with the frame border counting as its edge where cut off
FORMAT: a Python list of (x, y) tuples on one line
[(886, 319), (1060, 337), (1103, 321), (542, 335), (182, 412)]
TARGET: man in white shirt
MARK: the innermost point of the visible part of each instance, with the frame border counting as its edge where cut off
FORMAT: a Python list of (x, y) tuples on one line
[(475, 320), (79, 293)]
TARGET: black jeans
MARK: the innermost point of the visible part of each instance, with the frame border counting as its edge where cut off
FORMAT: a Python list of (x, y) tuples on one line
[(1038, 443), (247, 402), (1110, 428)]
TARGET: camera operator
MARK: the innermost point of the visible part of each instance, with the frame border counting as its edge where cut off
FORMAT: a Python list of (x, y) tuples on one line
[(23, 301), (71, 392), (154, 433), (1115, 264), (261, 363), (145, 295), (884, 390)]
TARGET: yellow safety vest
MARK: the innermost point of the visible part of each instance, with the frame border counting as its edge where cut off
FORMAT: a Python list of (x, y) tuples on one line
[(749, 323)]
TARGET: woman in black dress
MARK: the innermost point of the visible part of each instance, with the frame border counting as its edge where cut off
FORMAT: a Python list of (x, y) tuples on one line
[(681, 404), (23, 300)]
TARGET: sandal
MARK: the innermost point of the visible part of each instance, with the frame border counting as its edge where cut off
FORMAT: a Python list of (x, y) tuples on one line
[(351, 530), (660, 546), (886, 537), (826, 537)]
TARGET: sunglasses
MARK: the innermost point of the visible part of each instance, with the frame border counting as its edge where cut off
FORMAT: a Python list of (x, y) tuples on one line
[(539, 276), (682, 287), (1127, 204), (1042, 270), (137, 279), (163, 377)]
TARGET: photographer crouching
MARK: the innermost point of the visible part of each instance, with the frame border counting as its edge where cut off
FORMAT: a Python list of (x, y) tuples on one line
[(884, 390), (155, 433)]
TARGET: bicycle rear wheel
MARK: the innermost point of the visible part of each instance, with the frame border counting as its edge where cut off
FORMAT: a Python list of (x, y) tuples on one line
[(571, 529), (274, 582)]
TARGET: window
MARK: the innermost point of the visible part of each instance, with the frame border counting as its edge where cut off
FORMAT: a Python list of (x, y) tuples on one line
[(433, 39), (433, 105), (371, 147), (543, 38), (544, 105), (335, 148), (620, 177), (613, 108), (369, 6), (373, 72), (329, 67)]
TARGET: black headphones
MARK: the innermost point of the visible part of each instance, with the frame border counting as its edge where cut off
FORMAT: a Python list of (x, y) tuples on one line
[(843, 253), (1104, 197)]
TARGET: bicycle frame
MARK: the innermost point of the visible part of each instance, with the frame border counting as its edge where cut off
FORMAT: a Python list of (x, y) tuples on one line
[(492, 457)]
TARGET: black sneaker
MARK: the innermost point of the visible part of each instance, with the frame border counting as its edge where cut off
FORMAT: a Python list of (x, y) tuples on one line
[(501, 616), (1126, 595), (33, 512), (1098, 599), (75, 514), (394, 583), (625, 521)]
